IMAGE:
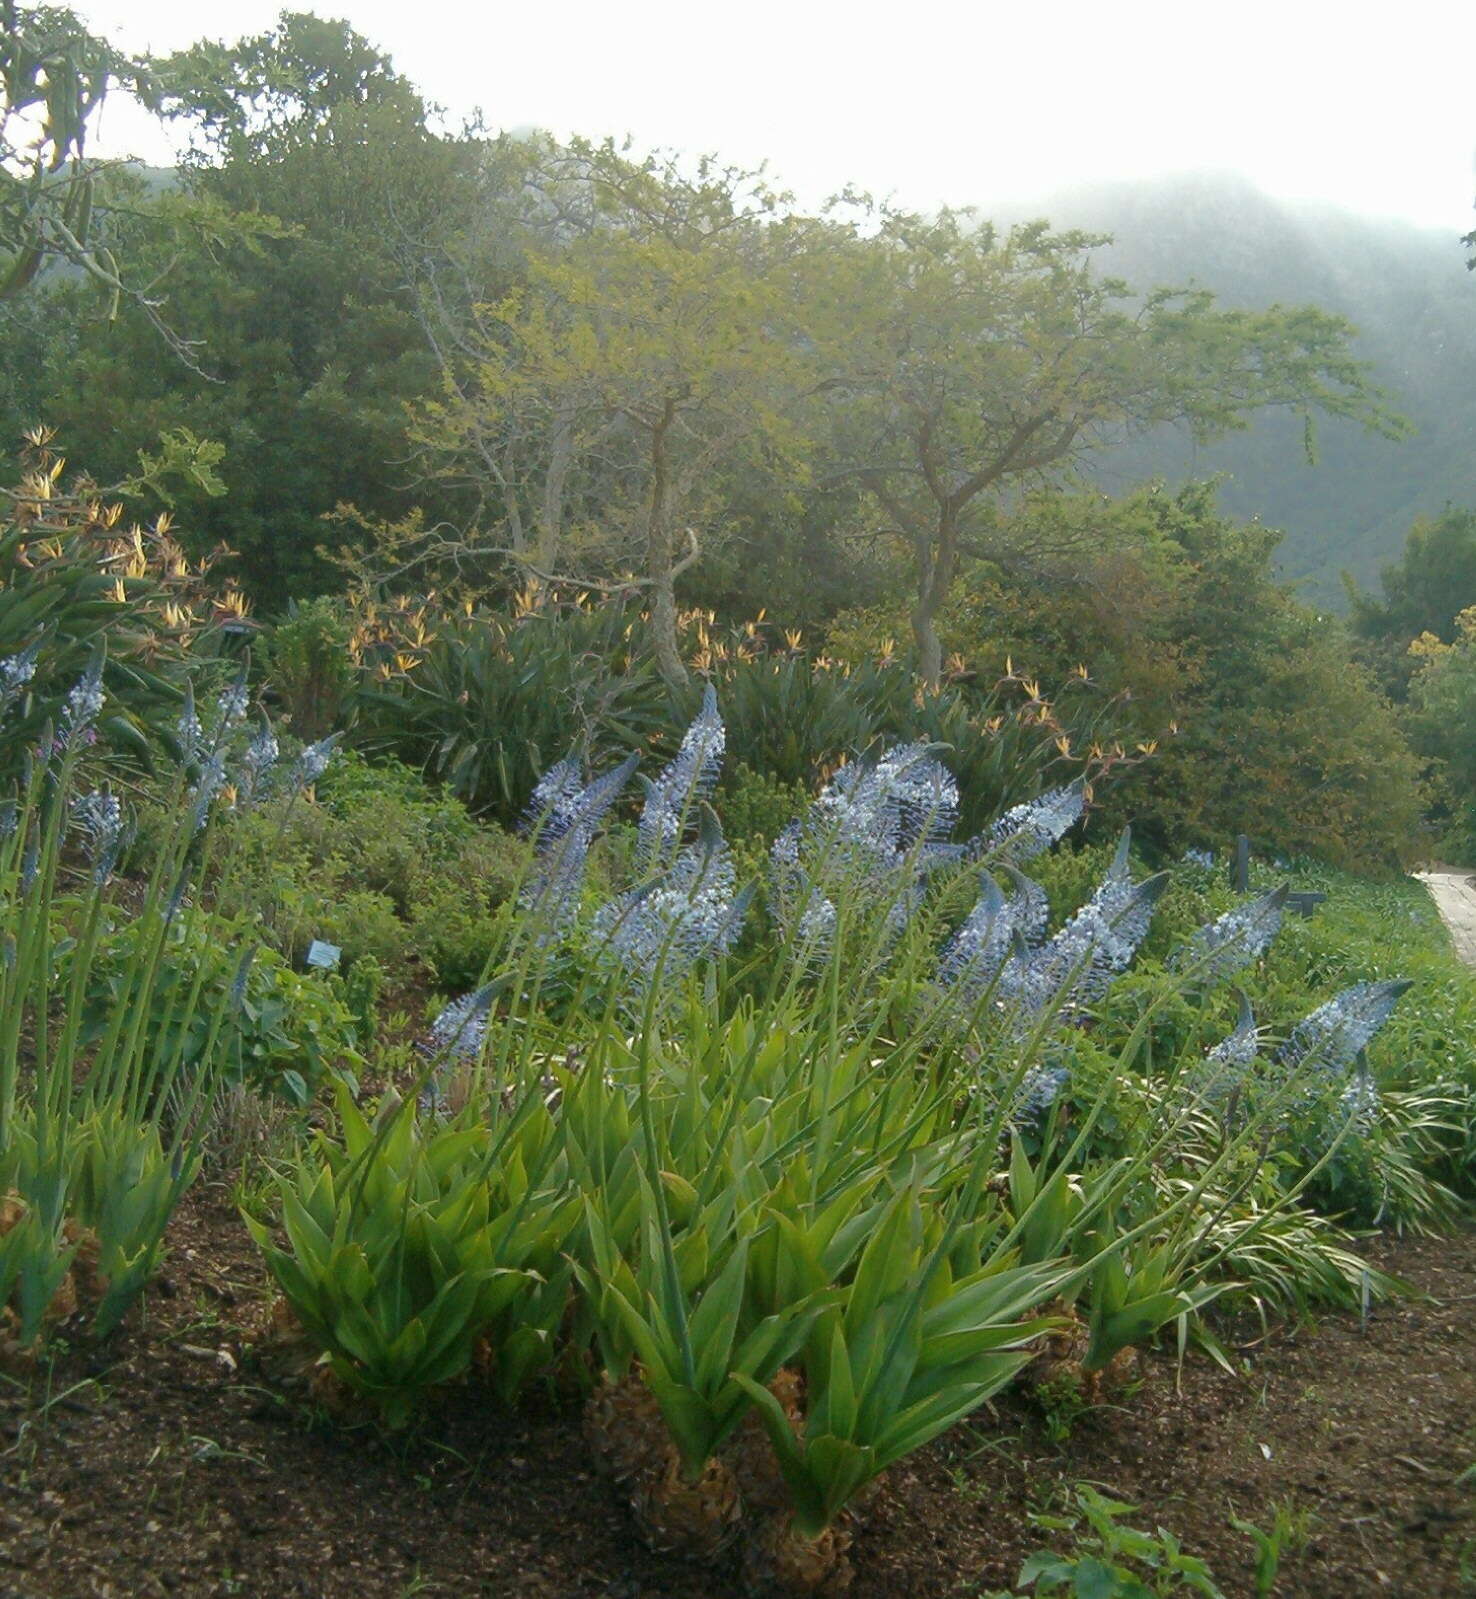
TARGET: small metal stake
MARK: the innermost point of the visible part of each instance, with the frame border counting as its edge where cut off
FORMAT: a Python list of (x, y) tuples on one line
[(1240, 870)]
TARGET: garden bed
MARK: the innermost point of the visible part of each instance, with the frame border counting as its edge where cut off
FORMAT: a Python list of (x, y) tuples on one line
[(169, 1464)]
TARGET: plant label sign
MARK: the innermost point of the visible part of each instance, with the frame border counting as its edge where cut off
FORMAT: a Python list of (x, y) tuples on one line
[(324, 956)]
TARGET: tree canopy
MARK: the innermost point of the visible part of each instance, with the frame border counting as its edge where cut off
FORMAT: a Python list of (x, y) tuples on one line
[(966, 363)]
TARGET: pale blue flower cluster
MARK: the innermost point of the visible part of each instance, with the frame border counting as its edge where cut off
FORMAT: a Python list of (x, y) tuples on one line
[(215, 752), (207, 785), (1028, 830), (1233, 940), (100, 817), (1332, 1037), (456, 1037), (663, 928), (461, 1028), (258, 759), (876, 827), (565, 815), (16, 671), (673, 798), (188, 728), (234, 702), (1321, 1063), (972, 959), (1359, 1102), (1227, 1066), (1098, 943), (688, 908), (313, 762), (1040, 1090), (83, 704), (1001, 949)]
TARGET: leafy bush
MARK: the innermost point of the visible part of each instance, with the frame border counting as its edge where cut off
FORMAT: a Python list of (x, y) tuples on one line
[(77, 586), (284, 1032), (308, 662), (1110, 1560), (759, 806), (380, 865), (486, 704), (460, 705), (1260, 720)]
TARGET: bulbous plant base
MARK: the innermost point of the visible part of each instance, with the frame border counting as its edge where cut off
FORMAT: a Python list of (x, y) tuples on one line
[(288, 1359), (16, 1356), (623, 1429), (779, 1562), (1120, 1373), (86, 1270), (1060, 1351), (281, 1352), (739, 1491), (752, 1456), (332, 1394), (1059, 1366), (81, 1287), (697, 1520)]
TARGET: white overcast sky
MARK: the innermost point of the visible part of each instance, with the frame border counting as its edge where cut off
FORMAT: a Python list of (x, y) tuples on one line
[(1371, 107)]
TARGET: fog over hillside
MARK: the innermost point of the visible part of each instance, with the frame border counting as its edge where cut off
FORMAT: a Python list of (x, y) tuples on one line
[(1405, 288)]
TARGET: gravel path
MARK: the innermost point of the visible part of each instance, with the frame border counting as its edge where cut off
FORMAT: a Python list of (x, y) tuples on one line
[(1454, 891)]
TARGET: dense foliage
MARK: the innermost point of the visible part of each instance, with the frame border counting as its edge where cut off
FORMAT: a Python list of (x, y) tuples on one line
[(782, 1153), (1259, 721), (770, 1038)]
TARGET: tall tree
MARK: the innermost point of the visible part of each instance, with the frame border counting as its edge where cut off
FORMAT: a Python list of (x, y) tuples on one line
[(312, 346), (967, 364), (653, 341), (1423, 592), (61, 205)]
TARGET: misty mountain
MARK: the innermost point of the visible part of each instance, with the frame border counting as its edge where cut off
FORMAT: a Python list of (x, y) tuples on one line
[(1407, 291)]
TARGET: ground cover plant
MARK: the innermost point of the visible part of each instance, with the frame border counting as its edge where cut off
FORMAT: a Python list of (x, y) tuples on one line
[(795, 1233), (777, 1162)]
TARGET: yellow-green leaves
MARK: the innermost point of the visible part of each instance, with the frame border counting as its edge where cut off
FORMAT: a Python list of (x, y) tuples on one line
[(406, 1249)]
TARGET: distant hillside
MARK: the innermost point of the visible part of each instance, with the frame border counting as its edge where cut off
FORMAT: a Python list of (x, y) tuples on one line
[(1405, 288)]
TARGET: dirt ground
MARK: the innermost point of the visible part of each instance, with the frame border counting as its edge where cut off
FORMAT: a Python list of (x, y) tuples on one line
[(168, 1464)]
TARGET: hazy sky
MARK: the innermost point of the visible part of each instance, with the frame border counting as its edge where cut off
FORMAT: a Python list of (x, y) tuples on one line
[(1372, 108)]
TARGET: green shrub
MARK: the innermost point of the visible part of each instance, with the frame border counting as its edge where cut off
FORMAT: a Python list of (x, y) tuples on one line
[(455, 929), (76, 586), (1262, 721), (493, 702), (383, 866), (758, 805), (284, 1035), (308, 662)]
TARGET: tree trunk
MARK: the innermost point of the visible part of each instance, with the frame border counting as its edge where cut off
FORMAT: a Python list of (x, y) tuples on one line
[(551, 507), (659, 558), (929, 645), (937, 560)]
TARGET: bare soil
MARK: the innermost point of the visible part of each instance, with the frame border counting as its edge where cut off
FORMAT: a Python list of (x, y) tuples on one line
[(167, 1464)]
